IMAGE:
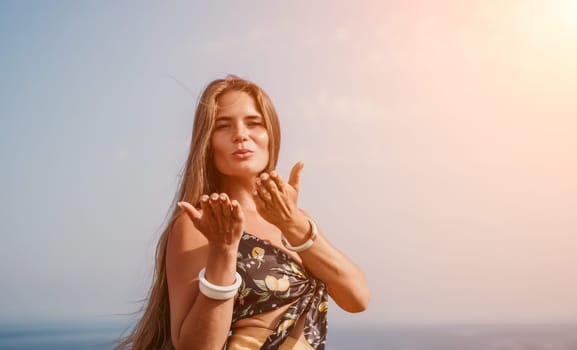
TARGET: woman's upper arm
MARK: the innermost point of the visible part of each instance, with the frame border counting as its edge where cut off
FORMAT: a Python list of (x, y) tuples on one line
[(186, 254)]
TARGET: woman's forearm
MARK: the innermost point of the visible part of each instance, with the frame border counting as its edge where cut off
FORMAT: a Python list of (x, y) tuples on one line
[(346, 283), (206, 326), (207, 323)]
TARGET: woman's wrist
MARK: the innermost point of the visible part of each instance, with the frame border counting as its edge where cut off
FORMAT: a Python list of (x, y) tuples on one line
[(313, 232), (217, 291), (226, 250), (296, 230), (299, 231), (221, 264)]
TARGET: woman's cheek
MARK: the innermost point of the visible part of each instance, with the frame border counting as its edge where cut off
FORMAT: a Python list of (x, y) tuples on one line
[(262, 137)]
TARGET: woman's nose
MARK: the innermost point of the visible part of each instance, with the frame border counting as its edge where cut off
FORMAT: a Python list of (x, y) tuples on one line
[(240, 133)]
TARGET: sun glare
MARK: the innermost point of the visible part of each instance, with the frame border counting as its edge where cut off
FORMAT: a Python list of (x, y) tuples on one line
[(568, 15), (550, 27)]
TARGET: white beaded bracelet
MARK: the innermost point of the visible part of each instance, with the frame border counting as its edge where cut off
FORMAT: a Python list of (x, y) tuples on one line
[(215, 292), (306, 245)]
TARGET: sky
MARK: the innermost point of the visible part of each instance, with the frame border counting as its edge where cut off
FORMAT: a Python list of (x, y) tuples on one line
[(438, 140)]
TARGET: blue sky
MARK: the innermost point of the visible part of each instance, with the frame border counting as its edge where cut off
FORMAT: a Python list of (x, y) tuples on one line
[(438, 143)]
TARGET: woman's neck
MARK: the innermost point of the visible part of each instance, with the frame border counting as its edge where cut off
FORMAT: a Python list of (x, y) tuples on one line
[(240, 189)]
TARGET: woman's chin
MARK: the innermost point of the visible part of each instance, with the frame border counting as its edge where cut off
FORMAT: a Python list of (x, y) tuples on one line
[(244, 171)]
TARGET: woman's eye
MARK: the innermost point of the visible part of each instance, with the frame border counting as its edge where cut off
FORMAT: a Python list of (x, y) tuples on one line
[(221, 126)]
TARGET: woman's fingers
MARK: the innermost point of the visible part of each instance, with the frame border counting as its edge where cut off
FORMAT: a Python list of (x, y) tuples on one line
[(219, 219), (270, 198), (279, 197), (295, 176), (278, 181), (216, 210), (206, 210), (190, 210), (261, 189), (225, 205), (270, 186), (260, 203), (227, 221), (236, 212)]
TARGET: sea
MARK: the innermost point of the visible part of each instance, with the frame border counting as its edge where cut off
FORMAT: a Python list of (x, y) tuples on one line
[(100, 335)]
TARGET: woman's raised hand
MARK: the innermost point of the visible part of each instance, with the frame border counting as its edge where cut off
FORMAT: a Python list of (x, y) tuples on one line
[(219, 219), (276, 200)]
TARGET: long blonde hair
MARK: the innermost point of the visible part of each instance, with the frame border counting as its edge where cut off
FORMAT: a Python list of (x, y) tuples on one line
[(152, 332)]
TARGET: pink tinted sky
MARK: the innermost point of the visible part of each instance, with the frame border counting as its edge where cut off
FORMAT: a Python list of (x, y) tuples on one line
[(439, 142)]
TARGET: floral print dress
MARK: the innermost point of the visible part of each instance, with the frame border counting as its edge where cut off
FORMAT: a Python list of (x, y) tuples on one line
[(272, 278)]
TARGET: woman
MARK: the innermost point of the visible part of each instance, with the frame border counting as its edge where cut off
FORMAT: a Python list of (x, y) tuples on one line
[(239, 264)]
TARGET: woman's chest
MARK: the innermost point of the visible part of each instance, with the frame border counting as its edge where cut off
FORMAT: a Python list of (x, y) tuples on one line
[(270, 234)]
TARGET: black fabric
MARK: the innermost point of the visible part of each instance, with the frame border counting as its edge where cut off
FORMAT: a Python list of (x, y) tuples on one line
[(272, 278)]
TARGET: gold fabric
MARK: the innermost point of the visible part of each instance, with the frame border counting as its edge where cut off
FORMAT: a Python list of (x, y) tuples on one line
[(252, 338)]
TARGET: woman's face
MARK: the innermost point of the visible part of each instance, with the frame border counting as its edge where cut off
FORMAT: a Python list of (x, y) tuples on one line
[(239, 139)]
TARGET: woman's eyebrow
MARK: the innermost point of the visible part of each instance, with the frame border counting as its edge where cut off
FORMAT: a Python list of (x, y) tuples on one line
[(226, 117)]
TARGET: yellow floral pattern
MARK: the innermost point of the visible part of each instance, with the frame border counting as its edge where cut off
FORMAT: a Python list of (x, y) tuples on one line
[(273, 284), (272, 278), (285, 325), (257, 253), (323, 306)]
